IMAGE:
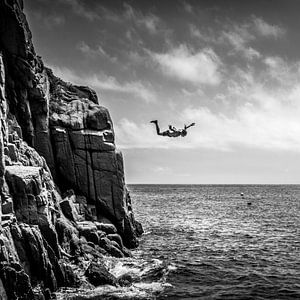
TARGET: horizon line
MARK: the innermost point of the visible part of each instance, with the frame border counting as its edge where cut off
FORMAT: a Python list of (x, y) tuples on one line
[(213, 183)]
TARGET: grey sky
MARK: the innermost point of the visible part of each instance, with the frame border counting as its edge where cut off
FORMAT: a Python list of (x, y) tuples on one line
[(233, 67)]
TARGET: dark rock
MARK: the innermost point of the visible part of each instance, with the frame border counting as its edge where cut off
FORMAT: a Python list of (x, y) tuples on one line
[(108, 228), (115, 237), (39, 262), (12, 152), (116, 241), (15, 282), (70, 278), (40, 293), (138, 228), (85, 154), (3, 294), (91, 252), (31, 189), (110, 247), (126, 252), (68, 208), (129, 235), (67, 236), (89, 231), (97, 274), (125, 279)]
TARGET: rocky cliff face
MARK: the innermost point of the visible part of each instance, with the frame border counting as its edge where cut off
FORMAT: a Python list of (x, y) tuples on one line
[(64, 202)]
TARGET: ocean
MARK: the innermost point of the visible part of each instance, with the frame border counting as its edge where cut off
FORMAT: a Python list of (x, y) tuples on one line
[(210, 242), (220, 241)]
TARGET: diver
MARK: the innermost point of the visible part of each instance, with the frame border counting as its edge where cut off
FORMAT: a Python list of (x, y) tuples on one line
[(172, 131)]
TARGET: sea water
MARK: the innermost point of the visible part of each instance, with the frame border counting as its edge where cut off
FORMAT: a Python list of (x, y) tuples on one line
[(210, 242), (221, 241)]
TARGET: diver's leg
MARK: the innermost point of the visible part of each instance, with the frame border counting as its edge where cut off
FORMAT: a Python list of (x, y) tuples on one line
[(157, 127)]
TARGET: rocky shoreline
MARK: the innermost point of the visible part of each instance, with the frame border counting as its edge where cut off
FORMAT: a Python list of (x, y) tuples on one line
[(65, 206)]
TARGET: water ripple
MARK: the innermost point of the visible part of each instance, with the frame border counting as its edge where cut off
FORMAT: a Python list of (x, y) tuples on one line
[(222, 247)]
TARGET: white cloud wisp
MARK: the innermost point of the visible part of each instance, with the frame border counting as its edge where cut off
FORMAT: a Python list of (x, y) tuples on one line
[(107, 83), (202, 67)]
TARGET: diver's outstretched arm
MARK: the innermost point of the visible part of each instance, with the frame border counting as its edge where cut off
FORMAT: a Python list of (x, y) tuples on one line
[(186, 127)]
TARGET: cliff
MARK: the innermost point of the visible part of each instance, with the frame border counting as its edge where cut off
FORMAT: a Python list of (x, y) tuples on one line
[(64, 201)]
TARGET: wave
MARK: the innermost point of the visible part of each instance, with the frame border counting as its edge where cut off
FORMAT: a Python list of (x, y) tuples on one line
[(147, 281)]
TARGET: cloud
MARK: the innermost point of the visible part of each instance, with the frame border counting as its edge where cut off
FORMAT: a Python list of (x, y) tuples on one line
[(50, 20), (202, 67), (188, 93), (94, 52), (281, 72), (196, 33), (53, 21), (136, 88), (263, 113), (269, 127), (239, 40), (268, 30), (109, 15), (149, 21), (107, 83), (239, 36), (79, 8), (136, 58), (187, 7)]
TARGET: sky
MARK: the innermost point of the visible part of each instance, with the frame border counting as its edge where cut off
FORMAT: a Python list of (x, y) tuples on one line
[(232, 67)]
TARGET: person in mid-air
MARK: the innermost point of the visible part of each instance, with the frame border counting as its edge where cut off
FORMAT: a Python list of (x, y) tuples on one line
[(172, 131)]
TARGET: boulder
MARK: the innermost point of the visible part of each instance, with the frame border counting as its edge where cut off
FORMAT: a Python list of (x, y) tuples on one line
[(116, 238), (127, 279), (110, 247), (138, 228), (97, 274), (89, 231)]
